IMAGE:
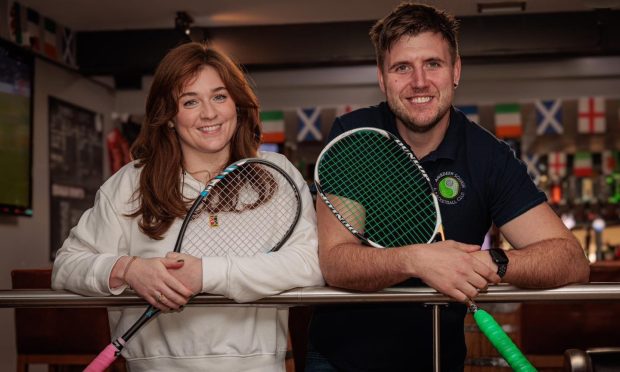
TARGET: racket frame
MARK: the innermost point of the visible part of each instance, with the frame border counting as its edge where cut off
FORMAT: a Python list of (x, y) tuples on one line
[(438, 223)]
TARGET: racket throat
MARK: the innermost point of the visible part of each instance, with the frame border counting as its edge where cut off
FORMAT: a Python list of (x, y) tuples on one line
[(119, 344)]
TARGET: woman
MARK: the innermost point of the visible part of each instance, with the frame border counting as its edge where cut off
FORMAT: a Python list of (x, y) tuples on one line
[(201, 115)]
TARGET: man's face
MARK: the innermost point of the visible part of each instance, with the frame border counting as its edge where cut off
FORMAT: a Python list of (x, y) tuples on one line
[(418, 77)]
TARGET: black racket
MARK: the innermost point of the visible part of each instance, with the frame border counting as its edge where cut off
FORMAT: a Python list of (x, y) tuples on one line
[(378, 190), (250, 195)]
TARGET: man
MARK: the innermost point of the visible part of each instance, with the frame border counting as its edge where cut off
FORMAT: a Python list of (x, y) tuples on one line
[(419, 69)]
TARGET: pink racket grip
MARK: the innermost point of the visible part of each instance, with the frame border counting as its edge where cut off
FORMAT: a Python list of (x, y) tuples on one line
[(103, 360)]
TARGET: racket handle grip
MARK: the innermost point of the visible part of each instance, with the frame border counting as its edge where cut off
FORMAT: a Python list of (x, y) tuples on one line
[(502, 342), (103, 360)]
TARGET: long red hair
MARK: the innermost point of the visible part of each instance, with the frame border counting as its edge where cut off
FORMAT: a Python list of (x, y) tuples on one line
[(157, 148)]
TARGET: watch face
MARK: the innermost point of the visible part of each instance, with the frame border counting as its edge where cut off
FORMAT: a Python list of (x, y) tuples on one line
[(499, 256), (501, 260)]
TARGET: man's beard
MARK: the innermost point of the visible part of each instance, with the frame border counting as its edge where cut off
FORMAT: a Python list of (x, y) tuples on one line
[(404, 118)]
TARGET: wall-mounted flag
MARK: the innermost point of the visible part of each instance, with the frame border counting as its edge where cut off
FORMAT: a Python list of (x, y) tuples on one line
[(536, 166), (273, 126), (582, 164), (508, 122), (15, 23), (32, 35), (556, 162), (591, 115), (610, 162), (549, 117), (49, 39), (309, 124), (67, 47), (345, 109), (471, 111)]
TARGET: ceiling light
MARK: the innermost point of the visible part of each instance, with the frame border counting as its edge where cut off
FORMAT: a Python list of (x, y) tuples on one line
[(182, 23), (501, 7)]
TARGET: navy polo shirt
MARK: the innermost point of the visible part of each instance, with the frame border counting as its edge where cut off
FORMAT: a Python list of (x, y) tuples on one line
[(478, 181)]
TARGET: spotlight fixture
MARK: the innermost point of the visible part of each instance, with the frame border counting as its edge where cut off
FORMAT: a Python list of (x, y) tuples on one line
[(183, 22), (501, 7)]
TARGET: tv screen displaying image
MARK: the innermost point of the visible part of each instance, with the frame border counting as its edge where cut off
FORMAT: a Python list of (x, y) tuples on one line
[(16, 79)]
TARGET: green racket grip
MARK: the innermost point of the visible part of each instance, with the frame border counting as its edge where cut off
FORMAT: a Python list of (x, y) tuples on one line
[(500, 340)]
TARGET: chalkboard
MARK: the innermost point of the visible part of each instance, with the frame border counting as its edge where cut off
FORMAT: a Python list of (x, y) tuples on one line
[(76, 166)]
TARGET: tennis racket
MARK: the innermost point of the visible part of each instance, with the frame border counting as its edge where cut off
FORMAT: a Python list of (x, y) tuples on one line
[(378, 190), (233, 216)]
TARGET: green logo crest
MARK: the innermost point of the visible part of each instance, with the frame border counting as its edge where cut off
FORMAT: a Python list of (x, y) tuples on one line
[(449, 188)]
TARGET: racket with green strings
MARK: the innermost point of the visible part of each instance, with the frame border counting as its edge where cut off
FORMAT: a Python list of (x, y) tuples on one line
[(378, 190)]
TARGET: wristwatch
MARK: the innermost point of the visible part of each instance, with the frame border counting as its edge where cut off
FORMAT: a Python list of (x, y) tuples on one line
[(501, 260)]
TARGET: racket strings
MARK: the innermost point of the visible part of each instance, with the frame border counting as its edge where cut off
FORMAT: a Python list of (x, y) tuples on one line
[(249, 211), (377, 188)]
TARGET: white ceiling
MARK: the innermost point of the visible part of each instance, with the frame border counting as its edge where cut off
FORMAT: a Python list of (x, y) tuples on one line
[(97, 15)]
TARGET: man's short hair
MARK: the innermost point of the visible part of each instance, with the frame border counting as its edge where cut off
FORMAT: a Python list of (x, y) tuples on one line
[(410, 19)]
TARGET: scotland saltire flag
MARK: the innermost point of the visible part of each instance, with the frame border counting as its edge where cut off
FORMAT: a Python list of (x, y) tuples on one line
[(536, 166), (309, 124), (549, 117), (471, 112)]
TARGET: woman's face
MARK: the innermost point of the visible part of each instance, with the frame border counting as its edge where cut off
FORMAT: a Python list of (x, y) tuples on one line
[(206, 120)]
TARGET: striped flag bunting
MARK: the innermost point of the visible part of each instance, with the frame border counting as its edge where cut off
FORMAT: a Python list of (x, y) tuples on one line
[(33, 30), (549, 117), (587, 190), (556, 162), (582, 164), (508, 122), (67, 47), (613, 183), (50, 42), (15, 23), (309, 124), (610, 162), (535, 166), (471, 112), (273, 126), (591, 115), (345, 109)]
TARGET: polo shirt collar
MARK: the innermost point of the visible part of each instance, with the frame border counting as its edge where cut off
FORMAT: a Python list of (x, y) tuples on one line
[(447, 149)]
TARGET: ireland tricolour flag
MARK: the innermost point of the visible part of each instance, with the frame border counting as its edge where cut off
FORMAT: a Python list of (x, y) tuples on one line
[(582, 164), (508, 120), (273, 126)]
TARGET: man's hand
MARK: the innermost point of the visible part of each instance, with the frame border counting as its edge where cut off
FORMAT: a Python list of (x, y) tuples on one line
[(452, 269)]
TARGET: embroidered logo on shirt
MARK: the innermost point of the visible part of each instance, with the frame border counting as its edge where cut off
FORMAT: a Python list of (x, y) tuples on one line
[(450, 188), (213, 221)]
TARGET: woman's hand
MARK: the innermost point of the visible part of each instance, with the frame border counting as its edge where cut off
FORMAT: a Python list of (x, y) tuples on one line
[(152, 280), (190, 274)]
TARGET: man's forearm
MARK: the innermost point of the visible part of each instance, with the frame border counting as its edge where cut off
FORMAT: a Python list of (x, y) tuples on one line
[(547, 264)]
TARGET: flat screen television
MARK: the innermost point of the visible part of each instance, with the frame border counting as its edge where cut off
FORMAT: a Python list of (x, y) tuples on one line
[(16, 86)]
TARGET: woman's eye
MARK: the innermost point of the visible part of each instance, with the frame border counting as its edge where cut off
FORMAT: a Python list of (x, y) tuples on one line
[(190, 103), (220, 98)]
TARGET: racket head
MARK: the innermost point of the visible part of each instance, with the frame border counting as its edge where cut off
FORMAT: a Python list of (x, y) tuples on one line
[(377, 189), (251, 207)]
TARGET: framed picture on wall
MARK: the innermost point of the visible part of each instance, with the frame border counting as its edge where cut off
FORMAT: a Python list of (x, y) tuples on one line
[(76, 166)]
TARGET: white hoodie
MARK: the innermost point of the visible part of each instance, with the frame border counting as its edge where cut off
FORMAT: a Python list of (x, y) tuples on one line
[(239, 338)]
